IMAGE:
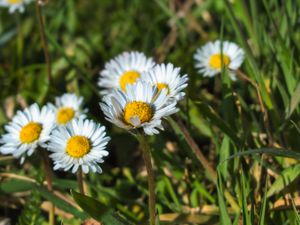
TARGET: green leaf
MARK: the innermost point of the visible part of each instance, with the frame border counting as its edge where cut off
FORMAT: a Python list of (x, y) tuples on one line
[(197, 120), (210, 115), (224, 154), (294, 101), (270, 151), (60, 203), (263, 208), (13, 186), (224, 216), (286, 177), (98, 211)]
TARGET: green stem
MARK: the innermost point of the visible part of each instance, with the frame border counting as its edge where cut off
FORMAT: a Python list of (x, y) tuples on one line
[(19, 41), (150, 176), (48, 173), (80, 181), (43, 39)]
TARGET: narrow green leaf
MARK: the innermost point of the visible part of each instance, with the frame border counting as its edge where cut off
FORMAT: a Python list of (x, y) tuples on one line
[(224, 217), (13, 186), (295, 99), (99, 211), (286, 177), (270, 151), (211, 115), (224, 154), (244, 192), (60, 203), (263, 208)]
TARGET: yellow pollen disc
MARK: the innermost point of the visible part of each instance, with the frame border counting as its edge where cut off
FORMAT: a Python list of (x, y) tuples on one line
[(64, 115), (161, 86), (12, 2), (128, 77), (78, 146), (216, 61), (140, 109), (30, 132)]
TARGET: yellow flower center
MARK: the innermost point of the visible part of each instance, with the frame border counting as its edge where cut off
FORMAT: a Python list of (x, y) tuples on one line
[(78, 146), (12, 2), (64, 115), (161, 86), (30, 132), (137, 109), (216, 61), (128, 77)]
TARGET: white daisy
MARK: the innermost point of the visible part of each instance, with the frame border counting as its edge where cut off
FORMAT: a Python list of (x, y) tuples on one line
[(81, 143), (15, 5), (209, 58), (167, 77), (141, 106), (68, 107), (124, 69), (28, 129)]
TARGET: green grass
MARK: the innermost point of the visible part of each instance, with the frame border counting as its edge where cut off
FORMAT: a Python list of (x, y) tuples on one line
[(256, 171)]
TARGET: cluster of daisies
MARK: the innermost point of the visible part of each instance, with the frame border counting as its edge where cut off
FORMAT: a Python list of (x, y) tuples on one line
[(63, 129), (137, 95), (15, 5)]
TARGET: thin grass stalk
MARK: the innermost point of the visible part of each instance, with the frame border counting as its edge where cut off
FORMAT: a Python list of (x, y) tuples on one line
[(150, 176), (48, 173), (43, 39)]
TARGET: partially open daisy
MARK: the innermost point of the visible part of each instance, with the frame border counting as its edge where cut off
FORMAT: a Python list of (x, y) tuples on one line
[(141, 106), (15, 5), (81, 143), (214, 55), (67, 107), (124, 69), (28, 129), (167, 77)]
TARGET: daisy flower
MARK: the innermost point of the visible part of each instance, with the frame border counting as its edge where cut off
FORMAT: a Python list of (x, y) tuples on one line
[(210, 57), (81, 143), (124, 69), (68, 107), (141, 106), (167, 77), (15, 5), (28, 130)]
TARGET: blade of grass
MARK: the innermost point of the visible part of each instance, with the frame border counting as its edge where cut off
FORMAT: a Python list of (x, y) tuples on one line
[(250, 57)]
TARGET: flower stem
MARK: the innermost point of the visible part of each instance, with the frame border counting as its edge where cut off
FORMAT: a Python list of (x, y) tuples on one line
[(150, 175), (80, 181), (48, 172), (43, 38)]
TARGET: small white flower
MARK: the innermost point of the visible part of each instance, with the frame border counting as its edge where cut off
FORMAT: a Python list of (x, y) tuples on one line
[(15, 5), (67, 107), (124, 69), (141, 106), (209, 58), (81, 143), (167, 77), (28, 129)]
